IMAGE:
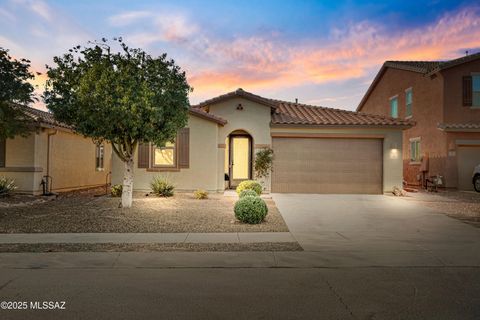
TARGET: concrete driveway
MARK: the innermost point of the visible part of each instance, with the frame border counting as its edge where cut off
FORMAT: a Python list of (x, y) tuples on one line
[(376, 230)]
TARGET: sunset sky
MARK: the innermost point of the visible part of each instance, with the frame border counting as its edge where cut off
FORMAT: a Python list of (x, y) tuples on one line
[(321, 52)]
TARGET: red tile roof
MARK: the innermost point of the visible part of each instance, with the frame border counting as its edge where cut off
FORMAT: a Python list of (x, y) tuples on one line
[(42, 117), (208, 116), (289, 113), (240, 93), (459, 126)]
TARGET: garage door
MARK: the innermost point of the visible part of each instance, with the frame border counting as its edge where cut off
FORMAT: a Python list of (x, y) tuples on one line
[(327, 165), (467, 158)]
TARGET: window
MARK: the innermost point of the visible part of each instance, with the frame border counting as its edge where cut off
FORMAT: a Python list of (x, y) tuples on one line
[(415, 150), (164, 156), (394, 107), (99, 157), (408, 102), (476, 90)]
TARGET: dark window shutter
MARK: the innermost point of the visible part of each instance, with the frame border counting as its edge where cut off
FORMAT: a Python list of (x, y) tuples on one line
[(143, 155), (2, 152), (183, 145), (467, 91)]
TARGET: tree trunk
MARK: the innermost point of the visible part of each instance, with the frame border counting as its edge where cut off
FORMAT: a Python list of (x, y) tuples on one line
[(127, 190)]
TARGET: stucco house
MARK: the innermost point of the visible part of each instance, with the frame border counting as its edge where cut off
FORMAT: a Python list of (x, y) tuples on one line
[(443, 98), (53, 153), (316, 149)]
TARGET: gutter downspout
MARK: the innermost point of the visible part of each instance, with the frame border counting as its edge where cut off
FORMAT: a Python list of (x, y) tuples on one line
[(49, 134)]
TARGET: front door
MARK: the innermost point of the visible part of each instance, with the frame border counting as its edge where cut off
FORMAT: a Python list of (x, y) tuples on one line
[(240, 159)]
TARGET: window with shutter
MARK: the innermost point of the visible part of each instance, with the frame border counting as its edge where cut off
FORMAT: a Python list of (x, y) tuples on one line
[(184, 148), (143, 155), (467, 91)]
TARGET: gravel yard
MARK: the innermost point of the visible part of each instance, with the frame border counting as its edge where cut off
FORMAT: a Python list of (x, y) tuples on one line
[(87, 213), (462, 205)]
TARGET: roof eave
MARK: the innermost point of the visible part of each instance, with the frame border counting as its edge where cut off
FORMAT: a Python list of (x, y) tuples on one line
[(364, 126)]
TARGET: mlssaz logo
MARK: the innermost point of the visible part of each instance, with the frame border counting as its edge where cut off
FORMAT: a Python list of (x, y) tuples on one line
[(47, 305)]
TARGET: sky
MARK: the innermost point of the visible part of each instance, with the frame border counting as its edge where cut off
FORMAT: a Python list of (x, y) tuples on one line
[(320, 52)]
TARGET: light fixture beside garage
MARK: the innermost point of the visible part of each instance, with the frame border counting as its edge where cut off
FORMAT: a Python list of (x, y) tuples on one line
[(394, 152)]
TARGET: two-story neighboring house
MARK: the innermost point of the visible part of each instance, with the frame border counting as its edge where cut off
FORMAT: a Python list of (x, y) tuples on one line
[(443, 98)]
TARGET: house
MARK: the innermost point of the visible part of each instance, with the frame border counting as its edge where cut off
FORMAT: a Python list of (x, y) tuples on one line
[(53, 154), (443, 98), (316, 149)]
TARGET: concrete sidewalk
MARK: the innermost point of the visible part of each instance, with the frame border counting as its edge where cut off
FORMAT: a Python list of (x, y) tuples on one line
[(230, 237)]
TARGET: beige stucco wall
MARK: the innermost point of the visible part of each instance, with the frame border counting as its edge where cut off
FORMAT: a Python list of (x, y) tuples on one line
[(72, 161), (254, 118), (392, 148), (202, 172)]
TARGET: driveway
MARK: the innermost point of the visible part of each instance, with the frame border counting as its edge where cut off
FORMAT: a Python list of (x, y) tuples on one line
[(378, 230)]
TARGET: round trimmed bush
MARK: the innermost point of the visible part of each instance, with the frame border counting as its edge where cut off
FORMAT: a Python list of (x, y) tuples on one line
[(248, 193), (250, 210), (250, 185)]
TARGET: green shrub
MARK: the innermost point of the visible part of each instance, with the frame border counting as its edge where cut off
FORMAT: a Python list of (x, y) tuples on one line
[(116, 190), (7, 186), (250, 185), (200, 194), (250, 210), (162, 187), (247, 193)]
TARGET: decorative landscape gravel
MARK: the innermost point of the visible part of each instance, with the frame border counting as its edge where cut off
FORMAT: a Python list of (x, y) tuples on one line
[(87, 213), (149, 247)]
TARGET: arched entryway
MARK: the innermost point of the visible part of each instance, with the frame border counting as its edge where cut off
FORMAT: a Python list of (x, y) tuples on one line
[(238, 158)]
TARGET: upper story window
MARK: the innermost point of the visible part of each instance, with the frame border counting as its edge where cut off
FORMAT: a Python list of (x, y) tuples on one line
[(394, 107), (164, 156), (476, 90), (99, 157), (408, 102), (415, 150)]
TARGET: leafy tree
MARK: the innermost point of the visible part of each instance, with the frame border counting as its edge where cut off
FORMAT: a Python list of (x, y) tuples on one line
[(14, 89), (122, 96)]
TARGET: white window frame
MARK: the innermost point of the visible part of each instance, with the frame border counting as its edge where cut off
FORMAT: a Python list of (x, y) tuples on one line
[(418, 159), (100, 157), (390, 106), (408, 116)]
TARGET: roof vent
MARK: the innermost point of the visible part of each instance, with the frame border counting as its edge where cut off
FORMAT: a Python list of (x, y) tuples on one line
[(296, 100)]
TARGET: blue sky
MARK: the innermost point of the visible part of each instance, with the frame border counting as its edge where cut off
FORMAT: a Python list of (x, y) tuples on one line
[(321, 52)]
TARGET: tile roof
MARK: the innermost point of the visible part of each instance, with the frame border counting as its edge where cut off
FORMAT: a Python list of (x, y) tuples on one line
[(289, 113), (458, 126), (234, 94), (42, 117), (208, 116), (417, 66)]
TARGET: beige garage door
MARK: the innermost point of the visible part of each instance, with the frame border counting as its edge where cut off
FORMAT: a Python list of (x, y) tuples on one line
[(468, 157), (326, 165)]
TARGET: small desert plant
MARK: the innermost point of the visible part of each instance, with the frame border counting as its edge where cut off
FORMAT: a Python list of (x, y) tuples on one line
[(250, 210), (7, 186), (248, 193), (116, 190), (263, 163), (250, 185), (162, 187), (200, 194)]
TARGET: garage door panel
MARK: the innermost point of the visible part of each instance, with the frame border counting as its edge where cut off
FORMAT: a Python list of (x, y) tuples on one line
[(327, 165)]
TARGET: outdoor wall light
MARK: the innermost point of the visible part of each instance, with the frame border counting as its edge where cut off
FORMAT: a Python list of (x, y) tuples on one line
[(394, 154)]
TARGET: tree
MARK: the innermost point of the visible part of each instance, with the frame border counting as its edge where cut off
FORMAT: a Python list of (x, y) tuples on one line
[(123, 96), (14, 89)]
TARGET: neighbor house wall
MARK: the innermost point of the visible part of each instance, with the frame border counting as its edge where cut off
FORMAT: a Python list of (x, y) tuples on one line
[(254, 118), (392, 147), (202, 171), (20, 162), (427, 101)]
